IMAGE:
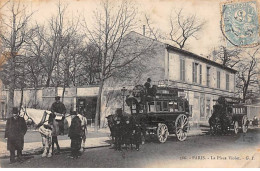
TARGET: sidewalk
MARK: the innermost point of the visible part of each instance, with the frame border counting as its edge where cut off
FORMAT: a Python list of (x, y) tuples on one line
[(94, 140), (33, 144)]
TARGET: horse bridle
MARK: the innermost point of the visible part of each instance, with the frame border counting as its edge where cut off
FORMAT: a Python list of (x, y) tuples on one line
[(25, 113)]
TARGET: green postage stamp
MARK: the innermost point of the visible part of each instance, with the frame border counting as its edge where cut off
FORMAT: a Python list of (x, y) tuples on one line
[(240, 23)]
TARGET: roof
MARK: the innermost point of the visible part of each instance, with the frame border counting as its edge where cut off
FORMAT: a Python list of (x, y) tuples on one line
[(170, 47)]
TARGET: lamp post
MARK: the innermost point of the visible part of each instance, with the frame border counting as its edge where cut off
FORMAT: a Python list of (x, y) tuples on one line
[(123, 90)]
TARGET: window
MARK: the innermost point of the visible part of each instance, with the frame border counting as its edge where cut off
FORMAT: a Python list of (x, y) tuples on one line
[(151, 107), (227, 81), (158, 106), (165, 106), (218, 79), (208, 76), (194, 72), (182, 69), (208, 108), (200, 74)]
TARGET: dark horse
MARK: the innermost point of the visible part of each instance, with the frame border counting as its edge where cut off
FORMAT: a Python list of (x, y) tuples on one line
[(111, 124), (220, 120)]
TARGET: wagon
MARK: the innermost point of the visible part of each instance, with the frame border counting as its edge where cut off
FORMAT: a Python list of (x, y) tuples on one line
[(161, 113), (239, 118), (232, 116)]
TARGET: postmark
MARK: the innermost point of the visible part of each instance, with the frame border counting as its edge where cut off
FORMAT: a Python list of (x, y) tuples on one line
[(240, 24)]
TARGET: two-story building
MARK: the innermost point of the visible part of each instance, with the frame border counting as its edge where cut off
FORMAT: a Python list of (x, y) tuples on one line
[(202, 80)]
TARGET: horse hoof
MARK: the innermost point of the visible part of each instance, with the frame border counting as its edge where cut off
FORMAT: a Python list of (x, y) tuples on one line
[(44, 155), (49, 155)]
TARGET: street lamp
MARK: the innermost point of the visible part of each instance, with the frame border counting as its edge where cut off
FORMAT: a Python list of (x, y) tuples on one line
[(123, 90)]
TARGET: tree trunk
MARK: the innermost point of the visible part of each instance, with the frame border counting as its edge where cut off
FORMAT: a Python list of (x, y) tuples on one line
[(35, 97), (63, 92), (11, 89), (21, 101), (98, 108), (10, 101)]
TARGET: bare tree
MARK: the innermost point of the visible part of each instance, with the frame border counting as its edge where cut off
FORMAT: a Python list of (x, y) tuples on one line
[(110, 36), (72, 50), (248, 73), (184, 28), (2, 6), (91, 68), (227, 57), (13, 38), (53, 37), (152, 31)]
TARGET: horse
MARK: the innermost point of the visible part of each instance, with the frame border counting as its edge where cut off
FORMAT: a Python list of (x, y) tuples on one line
[(41, 118), (111, 124), (121, 129)]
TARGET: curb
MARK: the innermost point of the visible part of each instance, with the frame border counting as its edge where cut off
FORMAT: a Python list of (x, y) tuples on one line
[(67, 149)]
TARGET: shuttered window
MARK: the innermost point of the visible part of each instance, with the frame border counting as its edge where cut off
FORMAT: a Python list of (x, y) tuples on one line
[(182, 69), (218, 79), (194, 72), (200, 74), (227, 81)]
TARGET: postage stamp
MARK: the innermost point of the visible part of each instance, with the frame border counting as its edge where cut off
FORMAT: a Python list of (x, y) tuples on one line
[(240, 24)]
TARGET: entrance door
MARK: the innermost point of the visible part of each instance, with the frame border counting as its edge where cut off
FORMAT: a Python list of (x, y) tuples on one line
[(3, 110), (196, 109), (87, 107)]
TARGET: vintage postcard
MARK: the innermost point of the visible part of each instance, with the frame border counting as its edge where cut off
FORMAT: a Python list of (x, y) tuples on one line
[(129, 84)]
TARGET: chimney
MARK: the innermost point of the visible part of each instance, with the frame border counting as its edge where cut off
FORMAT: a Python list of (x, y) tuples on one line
[(144, 30)]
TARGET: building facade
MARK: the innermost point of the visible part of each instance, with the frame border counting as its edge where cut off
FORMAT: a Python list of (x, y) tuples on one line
[(202, 80)]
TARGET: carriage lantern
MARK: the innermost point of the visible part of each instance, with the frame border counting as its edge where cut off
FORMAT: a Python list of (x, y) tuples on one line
[(123, 90)]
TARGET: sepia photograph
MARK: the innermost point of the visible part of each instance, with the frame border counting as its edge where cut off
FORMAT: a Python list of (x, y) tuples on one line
[(129, 83)]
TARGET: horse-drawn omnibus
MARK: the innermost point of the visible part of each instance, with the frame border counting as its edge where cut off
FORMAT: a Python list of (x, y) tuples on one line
[(227, 116), (161, 113)]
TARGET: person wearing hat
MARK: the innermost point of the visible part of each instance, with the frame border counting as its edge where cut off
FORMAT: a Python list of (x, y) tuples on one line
[(75, 134), (14, 133), (59, 108), (148, 86)]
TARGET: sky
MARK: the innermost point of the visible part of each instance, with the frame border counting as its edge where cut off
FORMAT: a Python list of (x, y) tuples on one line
[(158, 10)]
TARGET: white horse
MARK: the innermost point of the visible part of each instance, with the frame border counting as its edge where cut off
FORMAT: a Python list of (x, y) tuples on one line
[(41, 117)]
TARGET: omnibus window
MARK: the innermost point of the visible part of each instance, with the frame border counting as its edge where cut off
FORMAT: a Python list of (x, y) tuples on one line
[(158, 106), (180, 108), (244, 110), (133, 108), (165, 106), (171, 107), (175, 106), (151, 107)]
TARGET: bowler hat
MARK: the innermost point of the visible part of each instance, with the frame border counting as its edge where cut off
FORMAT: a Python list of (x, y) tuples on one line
[(15, 110), (57, 98)]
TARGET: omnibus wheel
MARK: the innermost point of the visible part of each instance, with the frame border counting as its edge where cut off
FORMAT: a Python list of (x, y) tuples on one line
[(162, 132), (244, 124), (181, 125), (236, 127)]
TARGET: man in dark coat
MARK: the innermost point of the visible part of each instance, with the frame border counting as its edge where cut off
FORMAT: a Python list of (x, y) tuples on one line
[(75, 134), (147, 85), (14, 132), (127, 131), (119, 121), (136, 127), (59, 107)]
